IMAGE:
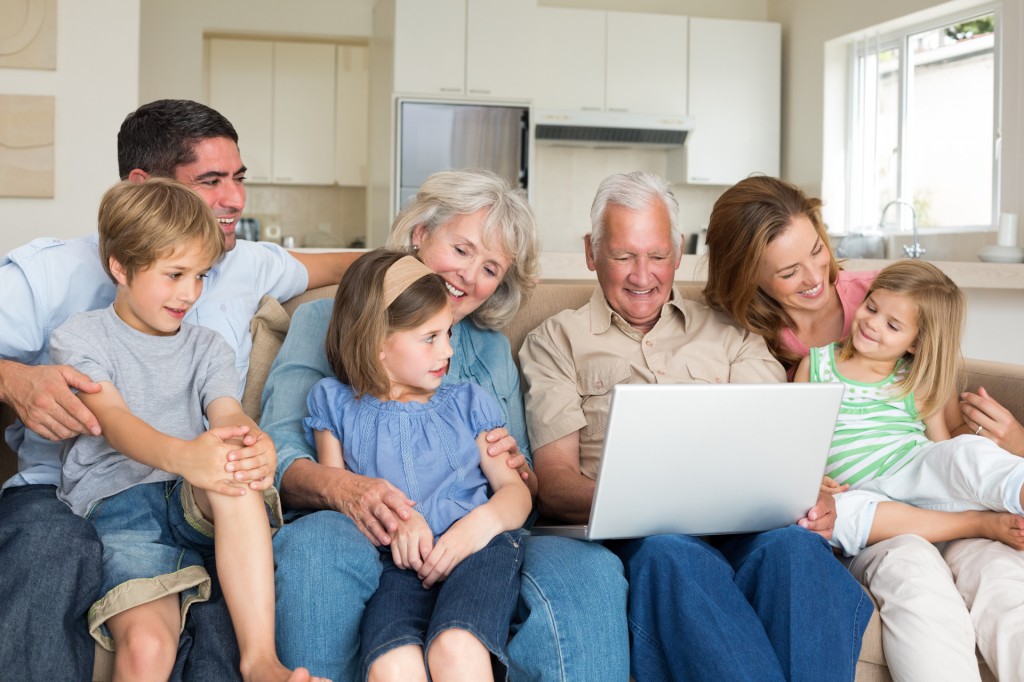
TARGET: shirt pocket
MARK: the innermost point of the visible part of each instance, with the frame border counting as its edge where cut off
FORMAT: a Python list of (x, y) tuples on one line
[(595, 386), (707, 373)]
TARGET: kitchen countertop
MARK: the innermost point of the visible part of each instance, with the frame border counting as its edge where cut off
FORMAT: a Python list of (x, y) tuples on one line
[(571, 267)]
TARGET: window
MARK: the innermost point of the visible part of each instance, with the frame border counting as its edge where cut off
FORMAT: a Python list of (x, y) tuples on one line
[(924, 125)]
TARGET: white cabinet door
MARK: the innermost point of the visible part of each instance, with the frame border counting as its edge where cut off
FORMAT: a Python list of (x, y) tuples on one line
[(499, 54), (242, 88), (352, 107), (735, 100), (570, 59), (304, 113), (430, 47), (646, 70)]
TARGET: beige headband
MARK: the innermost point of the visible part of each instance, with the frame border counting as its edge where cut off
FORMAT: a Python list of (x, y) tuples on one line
[(402, 273)]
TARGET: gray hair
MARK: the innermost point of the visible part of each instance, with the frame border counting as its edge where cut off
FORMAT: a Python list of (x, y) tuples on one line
[(509, 225), (635, 191)]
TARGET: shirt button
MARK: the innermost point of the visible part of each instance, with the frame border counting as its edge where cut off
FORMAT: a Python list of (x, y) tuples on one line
[(599, 384), (661, 372), (649, 343), (718, 380), (223, 307)]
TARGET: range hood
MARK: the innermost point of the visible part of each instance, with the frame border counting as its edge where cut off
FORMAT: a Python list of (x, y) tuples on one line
[(611, 128)]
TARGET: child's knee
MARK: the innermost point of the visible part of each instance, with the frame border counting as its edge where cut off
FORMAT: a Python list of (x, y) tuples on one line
[(399, 665), (146, 649)]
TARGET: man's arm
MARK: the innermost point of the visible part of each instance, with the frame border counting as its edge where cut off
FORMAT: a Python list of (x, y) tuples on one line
[(565, 493), (42, 399), (325, 268)]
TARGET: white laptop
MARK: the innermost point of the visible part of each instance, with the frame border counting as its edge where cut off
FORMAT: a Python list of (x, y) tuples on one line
[(706, 460)]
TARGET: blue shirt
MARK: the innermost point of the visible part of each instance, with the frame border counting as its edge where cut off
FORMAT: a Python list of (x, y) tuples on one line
[(426, 450), (481, 356), (48, 280)]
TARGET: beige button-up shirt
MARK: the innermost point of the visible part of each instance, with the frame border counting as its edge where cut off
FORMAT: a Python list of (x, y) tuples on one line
[(572, 360)]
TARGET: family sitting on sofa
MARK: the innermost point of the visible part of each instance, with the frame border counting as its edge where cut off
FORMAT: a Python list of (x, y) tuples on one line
[(425, 567)]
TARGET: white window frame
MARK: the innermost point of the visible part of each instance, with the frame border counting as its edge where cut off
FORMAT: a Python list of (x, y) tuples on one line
[(899, 37)]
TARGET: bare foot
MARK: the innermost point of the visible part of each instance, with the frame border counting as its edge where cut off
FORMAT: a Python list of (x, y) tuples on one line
[(1005, 527), (278, 673)]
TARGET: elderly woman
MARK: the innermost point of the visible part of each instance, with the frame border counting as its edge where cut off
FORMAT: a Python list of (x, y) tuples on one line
[(771, 267), (479, 235)]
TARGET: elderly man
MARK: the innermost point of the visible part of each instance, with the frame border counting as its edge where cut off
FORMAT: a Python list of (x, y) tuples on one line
[(767, 606)]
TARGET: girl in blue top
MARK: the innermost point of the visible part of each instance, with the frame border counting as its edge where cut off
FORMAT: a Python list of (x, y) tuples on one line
[(386, 415), (899, 366)]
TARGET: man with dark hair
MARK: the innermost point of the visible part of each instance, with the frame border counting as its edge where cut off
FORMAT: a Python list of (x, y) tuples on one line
[(51, 558)]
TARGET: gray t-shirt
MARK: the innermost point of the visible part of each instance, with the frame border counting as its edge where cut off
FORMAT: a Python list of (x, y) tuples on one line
[(166, 381)]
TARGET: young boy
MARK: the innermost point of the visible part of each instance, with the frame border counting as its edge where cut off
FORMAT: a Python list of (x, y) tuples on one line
[(159, 377)]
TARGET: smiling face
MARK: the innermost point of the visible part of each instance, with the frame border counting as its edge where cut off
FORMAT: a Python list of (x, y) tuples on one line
[(155, 301), (218, 176), (471, 268), (885, 326), (795, 269), (635, 262), (416, 359)]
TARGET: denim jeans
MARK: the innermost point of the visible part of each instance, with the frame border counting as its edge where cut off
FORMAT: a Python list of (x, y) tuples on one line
[(51, 575), (570, 622), (766, 606)]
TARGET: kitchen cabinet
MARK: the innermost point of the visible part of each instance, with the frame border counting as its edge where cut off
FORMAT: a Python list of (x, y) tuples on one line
[(352, 108), (735, 83), (299, 108), (463, 48), (594, 60)]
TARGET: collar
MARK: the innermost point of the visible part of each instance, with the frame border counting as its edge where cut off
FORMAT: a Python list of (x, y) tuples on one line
[(602, 315)]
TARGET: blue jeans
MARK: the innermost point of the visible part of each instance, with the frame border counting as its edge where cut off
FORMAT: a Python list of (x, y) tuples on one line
[(570, 623), (51, 574), (766, 606)]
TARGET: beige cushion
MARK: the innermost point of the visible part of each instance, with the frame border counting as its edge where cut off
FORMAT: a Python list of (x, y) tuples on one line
[(268, 327)]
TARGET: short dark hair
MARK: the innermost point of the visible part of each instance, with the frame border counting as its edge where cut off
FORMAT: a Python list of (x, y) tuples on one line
[(161, 136)]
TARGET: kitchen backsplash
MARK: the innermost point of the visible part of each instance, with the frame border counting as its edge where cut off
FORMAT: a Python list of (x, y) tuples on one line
[(315, 216)]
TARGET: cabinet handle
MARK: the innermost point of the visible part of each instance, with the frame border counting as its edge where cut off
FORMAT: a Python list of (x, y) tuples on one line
[(695, 178), (480, 92), (591, 108), (618, 109), (279, 179), (451, 89)]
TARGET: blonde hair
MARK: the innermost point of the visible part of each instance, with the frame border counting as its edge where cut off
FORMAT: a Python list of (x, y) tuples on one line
[(932, 370), (140, 223), (361, 322), (744, 221), (509, 225)]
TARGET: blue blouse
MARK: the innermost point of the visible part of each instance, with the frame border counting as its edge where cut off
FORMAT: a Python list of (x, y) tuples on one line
[(426, 450), (481, 356)]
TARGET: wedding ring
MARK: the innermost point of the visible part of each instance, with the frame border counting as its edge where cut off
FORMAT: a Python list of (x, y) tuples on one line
[(980, 427)]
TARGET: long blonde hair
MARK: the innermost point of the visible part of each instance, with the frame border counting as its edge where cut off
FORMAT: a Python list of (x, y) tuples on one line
[(932, 371), (745, 220)]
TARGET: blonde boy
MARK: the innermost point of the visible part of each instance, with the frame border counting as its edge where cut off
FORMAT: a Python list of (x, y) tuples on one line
[(159, 378)]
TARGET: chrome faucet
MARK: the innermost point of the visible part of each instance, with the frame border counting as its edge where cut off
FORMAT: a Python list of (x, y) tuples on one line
[(914, 250)]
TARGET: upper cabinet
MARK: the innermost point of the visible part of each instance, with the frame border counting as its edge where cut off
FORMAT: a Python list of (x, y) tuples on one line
[(735, 101), (593, 60), (299, 108), (463, 48)]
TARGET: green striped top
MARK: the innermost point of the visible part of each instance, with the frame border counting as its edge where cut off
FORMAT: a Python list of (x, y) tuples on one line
[(875, 434)]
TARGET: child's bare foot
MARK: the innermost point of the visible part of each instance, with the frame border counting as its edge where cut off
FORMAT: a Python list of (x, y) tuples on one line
[(1005, 527), (275, 672)]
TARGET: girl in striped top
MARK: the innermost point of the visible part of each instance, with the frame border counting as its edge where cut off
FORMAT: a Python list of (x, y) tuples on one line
[(895, 467)]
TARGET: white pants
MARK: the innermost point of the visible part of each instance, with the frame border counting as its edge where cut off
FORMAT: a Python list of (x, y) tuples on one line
[(962, 474), (934, 614)]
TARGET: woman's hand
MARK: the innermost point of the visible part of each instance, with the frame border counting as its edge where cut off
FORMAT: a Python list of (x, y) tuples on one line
[(376, 506), (500, 442), (980, 410)]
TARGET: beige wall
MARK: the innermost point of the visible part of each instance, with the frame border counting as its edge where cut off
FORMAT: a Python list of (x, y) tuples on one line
[(94, 85), (171, 54)]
